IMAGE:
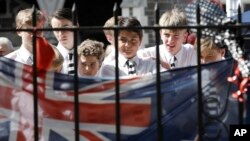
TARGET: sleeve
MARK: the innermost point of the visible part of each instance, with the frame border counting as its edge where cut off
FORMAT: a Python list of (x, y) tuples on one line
[(107, 71)]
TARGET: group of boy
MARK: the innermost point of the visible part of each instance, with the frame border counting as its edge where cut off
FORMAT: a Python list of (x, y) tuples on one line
[(133, 61)]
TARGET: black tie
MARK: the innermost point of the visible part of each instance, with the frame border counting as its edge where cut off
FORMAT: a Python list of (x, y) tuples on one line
[(71, 64), (131, 67), (173, 61)]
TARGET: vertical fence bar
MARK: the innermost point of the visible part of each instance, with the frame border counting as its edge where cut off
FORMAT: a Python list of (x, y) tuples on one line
[(34, 70), (117, 83), (239, 40), (199, 79), (76, 97), (158, 76)]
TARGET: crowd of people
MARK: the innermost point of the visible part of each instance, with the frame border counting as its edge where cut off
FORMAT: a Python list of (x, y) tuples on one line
[(95, 59)]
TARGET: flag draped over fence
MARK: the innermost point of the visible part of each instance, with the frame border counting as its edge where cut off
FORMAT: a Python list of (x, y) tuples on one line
[(97, 105)]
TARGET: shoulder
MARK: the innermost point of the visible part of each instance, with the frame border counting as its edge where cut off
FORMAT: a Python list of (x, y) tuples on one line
[(12, 55), (146, 62), (188, 48)]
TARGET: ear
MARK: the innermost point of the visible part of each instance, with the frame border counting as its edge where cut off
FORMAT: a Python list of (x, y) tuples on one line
[(18, 33), (185, 36), (223, 52), (109, 38)]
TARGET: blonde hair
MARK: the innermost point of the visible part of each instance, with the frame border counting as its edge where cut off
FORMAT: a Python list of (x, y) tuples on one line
[(208, 44), (175, 17), (110, 23), (6, 43), (91, 48), (24, 17)]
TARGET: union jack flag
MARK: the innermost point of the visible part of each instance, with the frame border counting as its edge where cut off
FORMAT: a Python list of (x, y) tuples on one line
[(97, 118)]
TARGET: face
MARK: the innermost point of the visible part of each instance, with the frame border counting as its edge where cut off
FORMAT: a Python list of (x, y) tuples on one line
[(208, 56), (173, 40), (128, 43), (66, 38), (27, 36), (88, 65)]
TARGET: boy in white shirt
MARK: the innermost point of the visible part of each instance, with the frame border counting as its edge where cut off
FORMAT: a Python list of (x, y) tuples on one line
[(129, 41), (24, 21), (62, 18), (173, 53)]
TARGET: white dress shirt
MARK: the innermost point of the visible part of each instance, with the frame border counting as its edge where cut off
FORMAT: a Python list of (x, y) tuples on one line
[(143, 66), (187, 56), (21, 55), (64, 51)]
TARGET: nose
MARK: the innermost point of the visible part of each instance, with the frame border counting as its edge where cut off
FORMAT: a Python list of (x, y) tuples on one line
[(87, 68), (170, 39), (60, 33)]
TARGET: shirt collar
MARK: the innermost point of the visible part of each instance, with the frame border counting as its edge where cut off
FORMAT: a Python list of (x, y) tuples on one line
[(179, 54), (123, 60), (64, 51), (25, 53)]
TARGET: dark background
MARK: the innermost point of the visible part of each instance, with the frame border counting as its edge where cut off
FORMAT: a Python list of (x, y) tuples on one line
[(90, 13)]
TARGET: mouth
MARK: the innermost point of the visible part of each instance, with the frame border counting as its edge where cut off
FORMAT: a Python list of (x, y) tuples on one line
[(62, 40), (171, 46)]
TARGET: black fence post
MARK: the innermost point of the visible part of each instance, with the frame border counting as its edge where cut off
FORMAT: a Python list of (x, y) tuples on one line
[(76, 97), (158, 75), (240, 42), (34, 70), (117, 83), (199, 79)]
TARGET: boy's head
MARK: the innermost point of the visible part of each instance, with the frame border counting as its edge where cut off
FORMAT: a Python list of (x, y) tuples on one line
[(62, 18), (90, 57), (5, 46), (24, 21), (210, 51), (24, 18), (110, 33), (173, 38), (129, 40)]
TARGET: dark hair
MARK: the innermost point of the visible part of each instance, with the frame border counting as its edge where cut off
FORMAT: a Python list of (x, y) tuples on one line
[(64, 13), (131, 22)]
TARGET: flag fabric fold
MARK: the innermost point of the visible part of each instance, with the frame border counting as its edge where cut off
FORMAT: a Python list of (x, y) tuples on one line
[(97, 105)]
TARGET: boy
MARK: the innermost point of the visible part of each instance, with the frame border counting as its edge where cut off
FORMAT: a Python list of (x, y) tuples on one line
[(210, 52), (109, 34), (173, 53), (129, 41), (6, 46), (90, 57), (62, 18), (24, 21)]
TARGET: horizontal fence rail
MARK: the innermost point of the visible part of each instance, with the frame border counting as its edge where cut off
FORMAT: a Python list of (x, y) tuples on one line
[(156, 28)]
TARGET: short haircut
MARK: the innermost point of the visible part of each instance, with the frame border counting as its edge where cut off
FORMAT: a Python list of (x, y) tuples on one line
[(131, 22), (208, 44), (24, 17), (175, 17), (64, 13), (6, 43), (110, 23), (91, 48)]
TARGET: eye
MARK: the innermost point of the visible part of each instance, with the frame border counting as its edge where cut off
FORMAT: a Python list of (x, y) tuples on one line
[(123, 40), (166, 35)]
